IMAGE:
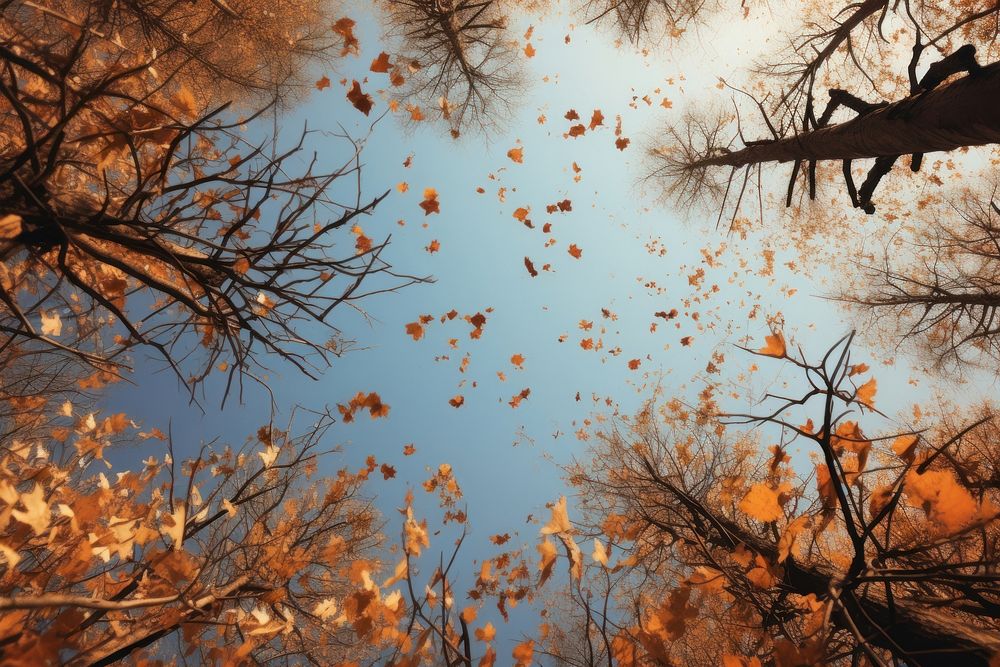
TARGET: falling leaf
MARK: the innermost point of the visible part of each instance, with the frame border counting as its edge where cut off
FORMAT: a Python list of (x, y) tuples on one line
[(433, 247), (524, 653), (381, 63), (430, 203), (866, 393), (634, 364), (51, 323), (324, 82), (516, 154), (363, 102), (559, 523), (456, 401), (36, 511), (600, 554), (574, 251), (345, 28)]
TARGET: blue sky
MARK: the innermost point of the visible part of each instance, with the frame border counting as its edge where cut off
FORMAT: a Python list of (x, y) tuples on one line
[(507, 459)]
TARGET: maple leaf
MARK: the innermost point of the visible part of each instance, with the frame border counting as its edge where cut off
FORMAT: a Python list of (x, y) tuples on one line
[(574, 251), (430, 203), (559, 523), (572, 115), (433, 247), (774, 345), (486, 633), (51, 323), (577, 130), (596, 119), (866, 393), (517, 360), (362, 101), (621, 143), (761, 503), (524, 653), (515, 401), (323, 82), (381, 63), (634, 364), (516, 155), (456, 401), (409, 450), (388, 472), (36, 512), (529, 50)]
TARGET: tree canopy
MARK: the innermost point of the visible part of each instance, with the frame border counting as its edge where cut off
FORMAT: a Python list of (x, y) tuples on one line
[(659, 279)]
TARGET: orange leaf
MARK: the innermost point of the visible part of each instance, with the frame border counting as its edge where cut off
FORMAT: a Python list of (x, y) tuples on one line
[(866, 393), (430, 203), (516, 154), (574, 251), (457, 401), (381, 64), (761, 503), (323, 83), (775, 345)]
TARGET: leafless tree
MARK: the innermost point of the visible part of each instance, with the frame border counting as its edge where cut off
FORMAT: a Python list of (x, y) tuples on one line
[(463, 64), (117, 187)]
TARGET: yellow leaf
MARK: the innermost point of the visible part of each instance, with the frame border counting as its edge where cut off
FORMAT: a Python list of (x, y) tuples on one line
[(600, 554), (559, 523), (51, 323), (36, 511)]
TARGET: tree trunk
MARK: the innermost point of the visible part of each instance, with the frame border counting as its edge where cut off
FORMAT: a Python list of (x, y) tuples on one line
[(965, 112)]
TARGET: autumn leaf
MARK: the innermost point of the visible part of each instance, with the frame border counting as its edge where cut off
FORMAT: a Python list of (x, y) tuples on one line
[(433, 246), (323, 82), (456, 401), (761, 503), (774, 345), (516, 155), (596, 119), (559, 523), (529, 50), (361, 101), (524, 653), (381, 63), (51, 323), (866, 393), (517, 360), (600, 554), (430, 203), (486, 633), (634, 364), (415, 329), (905, 447), (345, 28), (574, 251)]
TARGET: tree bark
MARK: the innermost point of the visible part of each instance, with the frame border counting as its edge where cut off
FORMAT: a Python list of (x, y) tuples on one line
[(962, 113)]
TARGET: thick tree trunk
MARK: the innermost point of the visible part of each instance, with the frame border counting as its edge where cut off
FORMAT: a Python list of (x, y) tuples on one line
[(965, 112)]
